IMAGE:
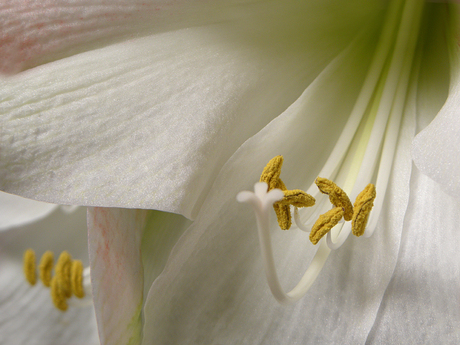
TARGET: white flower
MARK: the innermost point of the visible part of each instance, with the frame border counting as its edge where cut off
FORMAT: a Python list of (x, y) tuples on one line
[(27, 314), (181, 106)]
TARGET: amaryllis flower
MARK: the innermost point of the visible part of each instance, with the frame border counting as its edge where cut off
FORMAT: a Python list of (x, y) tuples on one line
[(27, 313), (158, 113)]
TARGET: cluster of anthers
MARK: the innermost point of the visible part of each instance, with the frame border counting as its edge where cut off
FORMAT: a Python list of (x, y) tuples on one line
[(69, 276), (357, 213), (271, 190)]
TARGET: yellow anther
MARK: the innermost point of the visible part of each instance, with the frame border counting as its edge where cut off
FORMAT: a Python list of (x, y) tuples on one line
[(325, 223), (62, 270), (77, 279), (297, 198), (283, 214), (362, 208), (57, 295), (45, 268), (68, 276), (337, 196), (271, 176), (271, 173), (29, 266)]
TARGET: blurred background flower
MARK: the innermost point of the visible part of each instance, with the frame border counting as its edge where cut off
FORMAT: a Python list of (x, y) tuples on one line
[(27, 314)]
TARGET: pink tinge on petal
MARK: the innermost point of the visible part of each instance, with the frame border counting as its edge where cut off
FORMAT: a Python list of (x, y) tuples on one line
[(114, 240), (34, 32)]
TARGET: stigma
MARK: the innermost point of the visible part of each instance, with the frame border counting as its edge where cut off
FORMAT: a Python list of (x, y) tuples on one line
[(69, 279)]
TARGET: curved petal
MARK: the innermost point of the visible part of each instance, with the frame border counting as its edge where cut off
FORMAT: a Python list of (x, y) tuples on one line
[(140, 123), (16, 211), (35, 33), (161, 233), (213, 289), (114, 238), (421, 302), (32, 33), (436, 148), (27, 314), (121, 266)]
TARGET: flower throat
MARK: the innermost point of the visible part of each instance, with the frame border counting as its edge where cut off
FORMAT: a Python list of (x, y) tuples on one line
[(360, 162)]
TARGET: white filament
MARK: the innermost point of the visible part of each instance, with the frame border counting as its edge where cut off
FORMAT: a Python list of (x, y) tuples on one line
[(386, 84), (261, 201), (382, 124)]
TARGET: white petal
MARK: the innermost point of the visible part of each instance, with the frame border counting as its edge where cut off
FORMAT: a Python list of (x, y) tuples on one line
[(161, 233), (27, 314), (114, 237), (150, 122), (36, 33), (16, 211), (421, 304), (69, 208), (121, 266), (213, 290), (436, 148)]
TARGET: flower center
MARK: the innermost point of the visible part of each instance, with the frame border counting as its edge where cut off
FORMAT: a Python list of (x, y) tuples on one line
[(357, 213), (69, 277), (362, 155)]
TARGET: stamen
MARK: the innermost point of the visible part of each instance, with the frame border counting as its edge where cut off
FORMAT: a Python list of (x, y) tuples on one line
[(298, 198), (58, 295), (337, 196), (391, 136), (29, 266), (380, 56), (260, 201), (325, 223), (271, 176), (45, 268), (271, 173), (298, 221), (362, 207), (77, 279), (370, 133), (69, 278), (283, 214), (63, 267)]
